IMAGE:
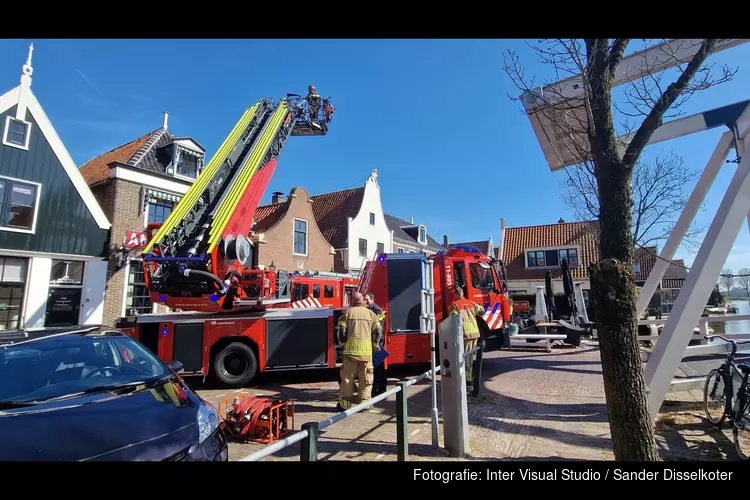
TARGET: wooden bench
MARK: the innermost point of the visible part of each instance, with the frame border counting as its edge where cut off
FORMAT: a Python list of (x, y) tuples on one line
[(537, 336)]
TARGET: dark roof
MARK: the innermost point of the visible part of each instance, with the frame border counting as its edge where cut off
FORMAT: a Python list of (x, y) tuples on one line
[(483, 246), (646, 257), (144, 153), (331, 211), (518, 239), (397, 226)]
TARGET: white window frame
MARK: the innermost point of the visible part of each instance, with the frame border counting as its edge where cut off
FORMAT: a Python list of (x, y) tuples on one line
[(359, 253), (526, 251), (307, 236), (38, 197), (147, 209), (423, 241), (6, 130), (399, 250), (125, 287), (372, 218)]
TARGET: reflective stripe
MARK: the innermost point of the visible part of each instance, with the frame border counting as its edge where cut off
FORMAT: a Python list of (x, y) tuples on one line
[(358, 347)]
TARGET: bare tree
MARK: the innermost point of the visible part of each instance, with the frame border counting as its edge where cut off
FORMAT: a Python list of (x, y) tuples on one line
[(744, 280), (658, 192), (586, 126), (726, 280)]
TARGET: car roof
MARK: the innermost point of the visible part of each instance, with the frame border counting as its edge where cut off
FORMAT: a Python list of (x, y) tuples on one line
[(26, 334)]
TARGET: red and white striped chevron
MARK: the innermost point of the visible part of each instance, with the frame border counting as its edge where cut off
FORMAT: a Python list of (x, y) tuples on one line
[(306, 303), (493, 317)]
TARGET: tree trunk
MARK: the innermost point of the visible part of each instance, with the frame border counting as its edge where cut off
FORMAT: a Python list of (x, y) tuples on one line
[(613, 288)]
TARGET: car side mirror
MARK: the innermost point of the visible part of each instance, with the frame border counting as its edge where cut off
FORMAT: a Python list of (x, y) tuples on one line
[(175, 366)]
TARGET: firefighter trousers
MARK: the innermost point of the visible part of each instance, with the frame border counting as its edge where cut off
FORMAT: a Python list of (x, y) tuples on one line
[(352, 370), (469, 344)]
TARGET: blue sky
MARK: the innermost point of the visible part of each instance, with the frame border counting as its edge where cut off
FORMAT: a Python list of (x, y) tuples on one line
[(433, 116)]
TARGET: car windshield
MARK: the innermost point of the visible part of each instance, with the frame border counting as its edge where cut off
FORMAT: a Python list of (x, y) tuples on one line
[(61, 365)]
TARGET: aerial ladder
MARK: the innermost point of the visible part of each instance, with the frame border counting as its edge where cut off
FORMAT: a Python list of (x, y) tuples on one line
[(201, 257)]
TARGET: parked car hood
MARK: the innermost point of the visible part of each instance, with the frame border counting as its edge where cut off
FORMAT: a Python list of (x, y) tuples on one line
[(146, 424)]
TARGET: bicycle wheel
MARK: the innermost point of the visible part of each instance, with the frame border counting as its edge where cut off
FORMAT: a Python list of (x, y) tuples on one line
[(741, 431), (715, 398)]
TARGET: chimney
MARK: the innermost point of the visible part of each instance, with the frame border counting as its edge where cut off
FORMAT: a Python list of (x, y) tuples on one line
[(412, 220), (561, 221), (166, 119), (501, 243), (278, 197), (445, 240)]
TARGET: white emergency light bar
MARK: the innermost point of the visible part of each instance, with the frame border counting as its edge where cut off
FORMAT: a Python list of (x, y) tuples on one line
[(544, 106)]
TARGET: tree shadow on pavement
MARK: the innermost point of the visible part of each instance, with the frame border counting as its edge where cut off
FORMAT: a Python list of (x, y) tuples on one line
[(683, 433)]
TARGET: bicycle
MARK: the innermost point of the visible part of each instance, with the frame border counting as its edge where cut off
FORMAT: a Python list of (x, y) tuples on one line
[(733, 405)]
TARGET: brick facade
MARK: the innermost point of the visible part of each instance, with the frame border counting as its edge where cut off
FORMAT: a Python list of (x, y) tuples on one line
[(126, 196), (277, 228)]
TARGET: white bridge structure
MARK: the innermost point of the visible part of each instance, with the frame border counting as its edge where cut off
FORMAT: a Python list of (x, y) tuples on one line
[(560, 152)]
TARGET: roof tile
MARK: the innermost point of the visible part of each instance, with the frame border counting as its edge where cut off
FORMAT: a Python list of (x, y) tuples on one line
[(518, 239), (331, 211), (268, 215), (97, 169), (396, 225)]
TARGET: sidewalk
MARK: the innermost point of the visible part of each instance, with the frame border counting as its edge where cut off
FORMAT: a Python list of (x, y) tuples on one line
[(533, 406)]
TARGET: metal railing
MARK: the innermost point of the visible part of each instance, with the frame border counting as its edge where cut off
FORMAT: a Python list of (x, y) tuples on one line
[(310, 433), (704, 352)]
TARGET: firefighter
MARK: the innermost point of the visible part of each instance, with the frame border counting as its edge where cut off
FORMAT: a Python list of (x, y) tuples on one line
[(313, 102), (359, 333), (468, 310), (380, 383)]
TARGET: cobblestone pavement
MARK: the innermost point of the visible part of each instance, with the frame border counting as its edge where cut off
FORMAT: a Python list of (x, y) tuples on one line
[(533, 405)]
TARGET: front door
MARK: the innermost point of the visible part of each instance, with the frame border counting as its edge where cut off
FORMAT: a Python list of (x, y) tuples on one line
[(63, 305)]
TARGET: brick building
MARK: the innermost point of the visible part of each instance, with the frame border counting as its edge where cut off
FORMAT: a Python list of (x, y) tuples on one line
[(287, 235), (138, 183)]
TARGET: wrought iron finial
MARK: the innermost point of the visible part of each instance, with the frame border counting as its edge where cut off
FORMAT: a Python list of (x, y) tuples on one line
[(27, 69)]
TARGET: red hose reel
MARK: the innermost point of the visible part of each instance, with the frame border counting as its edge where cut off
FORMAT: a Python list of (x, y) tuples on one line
[(259, 419)]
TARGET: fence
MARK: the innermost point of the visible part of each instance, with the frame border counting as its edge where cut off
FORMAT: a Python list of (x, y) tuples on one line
[(310, 432), (712, 350)]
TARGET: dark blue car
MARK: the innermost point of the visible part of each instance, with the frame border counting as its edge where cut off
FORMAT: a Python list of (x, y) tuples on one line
[(94, 393)]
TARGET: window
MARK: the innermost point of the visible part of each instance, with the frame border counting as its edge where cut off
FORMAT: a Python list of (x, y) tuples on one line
[(328, 291), (12, 284), (372, 219), (399, 250), (300, 237), (422, 235), (381, 248), (18, 204), (551, 258), (637, 267), (187, 165), (362, 248), (159, 211), (16, 133), (481, 276), (66, 272), (316, 291), (137, 298)]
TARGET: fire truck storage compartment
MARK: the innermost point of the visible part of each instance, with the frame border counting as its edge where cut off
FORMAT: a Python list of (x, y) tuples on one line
[(297, 342), (150, 337), (404, 292), (188, 345)]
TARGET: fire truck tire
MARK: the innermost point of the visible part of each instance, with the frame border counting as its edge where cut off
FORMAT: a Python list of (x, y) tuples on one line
[(235, 365)]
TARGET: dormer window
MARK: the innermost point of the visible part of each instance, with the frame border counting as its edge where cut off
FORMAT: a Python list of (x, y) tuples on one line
[(423, 235), (187, 166), (16, 133)]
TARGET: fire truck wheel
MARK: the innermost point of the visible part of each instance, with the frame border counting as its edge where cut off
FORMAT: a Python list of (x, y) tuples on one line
[(235, 365)]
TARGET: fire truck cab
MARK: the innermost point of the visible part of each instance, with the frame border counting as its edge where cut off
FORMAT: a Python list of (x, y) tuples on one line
[(416, 292)]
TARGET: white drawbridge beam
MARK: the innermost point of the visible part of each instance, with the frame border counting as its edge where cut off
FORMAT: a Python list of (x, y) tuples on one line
[(541, 103), (729, 116), (701, 279)]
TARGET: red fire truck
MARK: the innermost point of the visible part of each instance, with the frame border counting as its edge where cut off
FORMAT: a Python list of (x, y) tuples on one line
[(321, 289), (241, 319)]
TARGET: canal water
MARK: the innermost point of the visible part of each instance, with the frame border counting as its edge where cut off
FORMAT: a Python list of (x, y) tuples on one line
[(743, 307)]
